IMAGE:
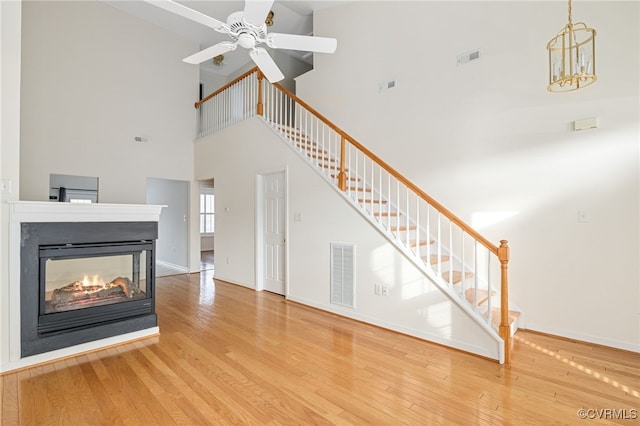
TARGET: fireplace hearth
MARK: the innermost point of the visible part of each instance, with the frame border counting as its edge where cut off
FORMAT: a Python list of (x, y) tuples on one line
[(84, 281)]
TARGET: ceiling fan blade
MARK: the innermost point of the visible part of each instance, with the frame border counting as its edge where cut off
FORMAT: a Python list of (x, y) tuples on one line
[(265, 62), (194, 15), (210, 52), (255, 11), (300, 42)]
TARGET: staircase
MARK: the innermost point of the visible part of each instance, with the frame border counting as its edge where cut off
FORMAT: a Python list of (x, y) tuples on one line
[(400, 229), (469, 269)]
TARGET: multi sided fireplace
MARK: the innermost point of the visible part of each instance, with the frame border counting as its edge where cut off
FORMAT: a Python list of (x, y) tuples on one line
[(84, 281)]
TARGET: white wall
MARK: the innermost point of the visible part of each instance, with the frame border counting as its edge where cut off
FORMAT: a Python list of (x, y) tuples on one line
[(207, 243), (172, 246), (487, 137), (235, 156), (211, 81), (93, 79), (79, 82), (10, 35)]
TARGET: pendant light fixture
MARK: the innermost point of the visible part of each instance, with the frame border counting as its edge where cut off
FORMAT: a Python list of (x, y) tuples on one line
[(572, 57)]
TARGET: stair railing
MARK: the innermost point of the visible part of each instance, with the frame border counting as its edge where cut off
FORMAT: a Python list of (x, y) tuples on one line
[(460, 259), (232, 103)]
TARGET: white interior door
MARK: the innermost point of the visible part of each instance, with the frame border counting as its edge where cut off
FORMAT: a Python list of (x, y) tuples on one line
[(273, 226)]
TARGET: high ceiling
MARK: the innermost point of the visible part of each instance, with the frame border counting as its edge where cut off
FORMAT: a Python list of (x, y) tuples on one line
[(290, 16)]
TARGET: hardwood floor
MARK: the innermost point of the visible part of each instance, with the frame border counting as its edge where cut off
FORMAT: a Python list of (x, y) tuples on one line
[(206, 260), (229, 355)]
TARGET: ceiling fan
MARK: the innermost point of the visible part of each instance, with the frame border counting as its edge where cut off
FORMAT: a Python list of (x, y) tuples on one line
[(247, 29)]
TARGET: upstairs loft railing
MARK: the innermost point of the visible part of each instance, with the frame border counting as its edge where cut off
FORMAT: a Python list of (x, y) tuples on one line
[(451, 252), (232, 103)]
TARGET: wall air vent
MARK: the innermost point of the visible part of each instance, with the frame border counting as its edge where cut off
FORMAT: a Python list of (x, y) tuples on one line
[(343, 274), (466, 57)]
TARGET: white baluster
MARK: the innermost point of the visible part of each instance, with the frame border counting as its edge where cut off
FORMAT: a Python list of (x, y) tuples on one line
[(476, 273), (407, 234), (428, 235), (373, 185), (462, 267), (439, 248), (389, 201), (489, 302), (418, 227), (381, 207), (450, 252), (397, 221)]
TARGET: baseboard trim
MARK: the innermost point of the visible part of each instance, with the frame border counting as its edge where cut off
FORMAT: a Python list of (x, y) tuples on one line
[(83, 348), (177, 268), (234, 282), (454, 344), (582, 337)]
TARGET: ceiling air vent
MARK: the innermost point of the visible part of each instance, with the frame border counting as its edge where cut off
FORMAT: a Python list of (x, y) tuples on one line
[(466, 57), (343, 274)]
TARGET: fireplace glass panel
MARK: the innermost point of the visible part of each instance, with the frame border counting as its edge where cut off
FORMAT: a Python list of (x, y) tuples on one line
[(77, 283)]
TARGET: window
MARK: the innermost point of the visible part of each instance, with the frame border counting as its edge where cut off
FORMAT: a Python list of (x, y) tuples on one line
[(207, 211)]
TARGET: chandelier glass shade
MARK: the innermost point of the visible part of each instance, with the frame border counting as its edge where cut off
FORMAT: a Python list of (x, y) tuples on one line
[(572, 57)]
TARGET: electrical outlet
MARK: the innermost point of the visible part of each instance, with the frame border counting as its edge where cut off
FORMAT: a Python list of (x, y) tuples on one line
[(385, 290)]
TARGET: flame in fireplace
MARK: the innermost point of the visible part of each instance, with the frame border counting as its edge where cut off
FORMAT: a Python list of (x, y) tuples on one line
[(95, 281)]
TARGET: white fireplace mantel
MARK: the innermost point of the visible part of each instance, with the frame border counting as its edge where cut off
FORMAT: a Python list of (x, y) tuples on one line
[(42, 211)]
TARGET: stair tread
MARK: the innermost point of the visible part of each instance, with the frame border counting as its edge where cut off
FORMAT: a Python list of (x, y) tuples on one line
[(433, 259), (414, 243), (470, 295), (385, 214), (358, 189), (351, 178), (403, 228), (456, 276), (321, 157), (330, 166), (309, 147), (495, 316), (369, 201)]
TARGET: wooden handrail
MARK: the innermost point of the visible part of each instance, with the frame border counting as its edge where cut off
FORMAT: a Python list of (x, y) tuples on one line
[(453, 218), (225, 87)]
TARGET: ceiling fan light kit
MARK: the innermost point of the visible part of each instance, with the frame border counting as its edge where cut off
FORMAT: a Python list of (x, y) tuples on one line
[(247, 29)]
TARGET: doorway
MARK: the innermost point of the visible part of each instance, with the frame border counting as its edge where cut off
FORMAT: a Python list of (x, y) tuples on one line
[(207, 224), (271, 228)]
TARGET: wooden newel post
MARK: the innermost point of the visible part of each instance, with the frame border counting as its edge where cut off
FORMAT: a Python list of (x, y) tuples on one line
[(342, 176), (260, 106), (505, 328)]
